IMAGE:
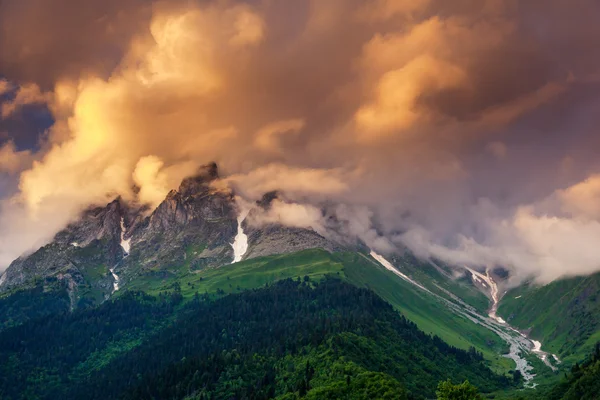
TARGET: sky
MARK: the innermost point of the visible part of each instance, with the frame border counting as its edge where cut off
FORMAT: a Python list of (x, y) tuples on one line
[(462, 130)]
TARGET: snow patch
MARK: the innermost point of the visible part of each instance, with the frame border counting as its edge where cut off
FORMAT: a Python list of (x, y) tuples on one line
[(75, 244), (125, 244), (518, 297), (116, 280), (240, 243), (2, 278), (388, 265), (542, 355), (478, 280), (556, 358), (487, 278)]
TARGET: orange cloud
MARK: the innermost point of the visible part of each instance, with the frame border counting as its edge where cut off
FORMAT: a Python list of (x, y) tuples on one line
[(25, 95), (388, 103), (268, 137), (396, 107), (13, 161)]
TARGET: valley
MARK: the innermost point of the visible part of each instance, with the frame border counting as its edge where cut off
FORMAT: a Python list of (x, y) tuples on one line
[(197, 245), (519, 344)]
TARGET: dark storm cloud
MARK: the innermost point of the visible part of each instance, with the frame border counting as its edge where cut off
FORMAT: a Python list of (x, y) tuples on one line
[(43, 41)]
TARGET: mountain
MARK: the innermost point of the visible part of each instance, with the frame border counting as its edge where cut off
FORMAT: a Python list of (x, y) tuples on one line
[(198, 243), (194, 226), (80, 255), (192, 229)]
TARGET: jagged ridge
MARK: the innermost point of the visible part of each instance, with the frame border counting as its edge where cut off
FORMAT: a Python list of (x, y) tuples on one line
[(192, 229)]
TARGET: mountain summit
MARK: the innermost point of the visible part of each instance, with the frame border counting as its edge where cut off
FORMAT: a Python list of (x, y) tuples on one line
[(193, 228), (185, 247)]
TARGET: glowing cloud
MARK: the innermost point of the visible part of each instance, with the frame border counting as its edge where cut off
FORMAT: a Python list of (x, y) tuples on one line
[(440, 126)]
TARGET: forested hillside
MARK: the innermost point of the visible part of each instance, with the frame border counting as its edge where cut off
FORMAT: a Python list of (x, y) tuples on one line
[(292, 339), (583, 383), (33, 303), (430, 314)]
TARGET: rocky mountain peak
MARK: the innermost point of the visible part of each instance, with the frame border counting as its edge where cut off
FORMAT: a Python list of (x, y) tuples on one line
[(200, 181), (95, 223), (193, 228), (267, 199), (194, 203)]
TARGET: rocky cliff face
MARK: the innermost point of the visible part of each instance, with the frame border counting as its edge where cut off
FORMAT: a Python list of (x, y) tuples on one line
[(80, 254), (192, 229), (272, 238)]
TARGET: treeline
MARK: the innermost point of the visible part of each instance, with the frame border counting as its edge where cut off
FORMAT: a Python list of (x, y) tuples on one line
[(290, 340)]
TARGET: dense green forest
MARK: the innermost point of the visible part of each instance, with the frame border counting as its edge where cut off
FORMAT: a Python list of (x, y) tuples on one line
[(293, 339), (34, 303)]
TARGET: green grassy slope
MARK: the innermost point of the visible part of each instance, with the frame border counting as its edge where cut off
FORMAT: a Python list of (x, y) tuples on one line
[(248, 274), (441, 280), (429, 313), (564, 315)]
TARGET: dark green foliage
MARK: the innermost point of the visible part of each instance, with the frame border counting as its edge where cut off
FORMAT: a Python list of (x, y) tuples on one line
[(39, 357), (465, 391), (363, 386), (34, 303), (293, 338), (517, 377), (583, 383)]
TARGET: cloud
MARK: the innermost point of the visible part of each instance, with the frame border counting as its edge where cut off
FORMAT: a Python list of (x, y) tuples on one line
[(154, 180), (5, 86), (13, 161), (24, 95), (395, 107), (295, 182), (357, 222), (289, 214), (497, 149), (114, 123), (83, 37), (560, 246), (385, 9), (536, 241), (268, 137), (398, 110), (583, 198)]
